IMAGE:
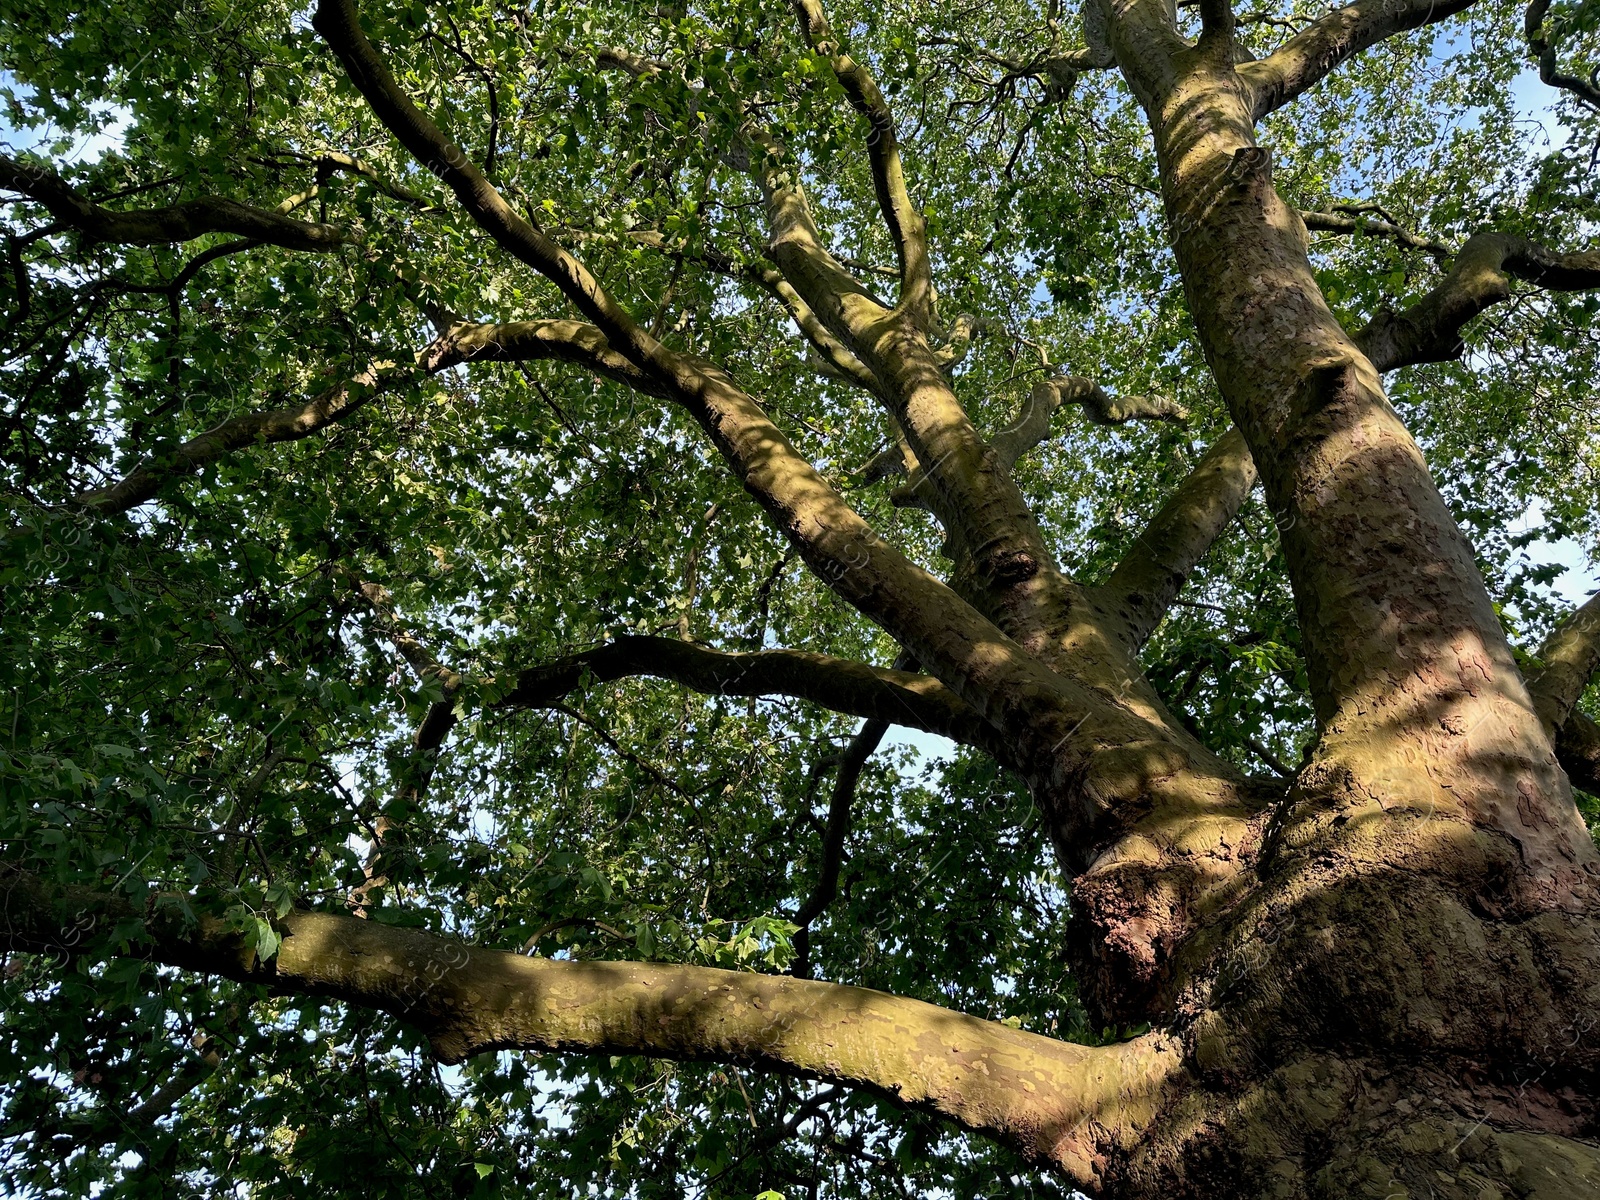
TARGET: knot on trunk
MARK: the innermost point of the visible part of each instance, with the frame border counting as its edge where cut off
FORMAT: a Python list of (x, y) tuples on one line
[(1010, 567), (1127, 922)]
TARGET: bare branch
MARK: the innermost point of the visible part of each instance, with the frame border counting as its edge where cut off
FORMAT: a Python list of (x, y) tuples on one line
[(1144, 584), (1302, 61), (1066, 1105), (1568, 660), (1429, 331), (530, 341), (1032, 425), (440, 718), (861, 747), (1544, 50), (427, 740), (843, 685), (904, 219), (173, 223), (1340, 221), (1059, 70)]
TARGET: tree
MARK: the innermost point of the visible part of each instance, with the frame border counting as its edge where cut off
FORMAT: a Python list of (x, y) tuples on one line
[(475, 479)]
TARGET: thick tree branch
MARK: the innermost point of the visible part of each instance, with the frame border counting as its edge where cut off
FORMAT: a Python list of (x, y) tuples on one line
[(1302, 61), (1366, 558), (1429, 331), (173, 223), (832, 355), (1578, 752), (1047, 726), (236, 433), (887, 352), (1065, 1105), (904, 219), (837, 297), (531, 341), (843, 685), (1149, 578), (1568, 660), (1217, 24)]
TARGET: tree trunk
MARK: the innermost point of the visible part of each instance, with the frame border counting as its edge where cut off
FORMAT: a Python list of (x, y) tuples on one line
[(1383, 1014), (1401, 1001)]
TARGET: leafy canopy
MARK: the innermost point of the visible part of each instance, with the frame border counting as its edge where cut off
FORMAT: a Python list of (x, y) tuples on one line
[(195, 698)]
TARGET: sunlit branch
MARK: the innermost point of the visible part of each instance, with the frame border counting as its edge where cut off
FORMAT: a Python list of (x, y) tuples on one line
[(904, 219), (830, 355), (1053, 1101), (531, 341), (1356, 222), (1144, 584), (1480, 277), (840, 301), (1305, 59)]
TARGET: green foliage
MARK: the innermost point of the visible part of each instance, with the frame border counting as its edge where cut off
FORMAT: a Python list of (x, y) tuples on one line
[(197, 709)]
